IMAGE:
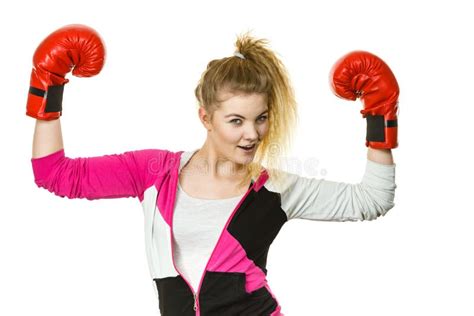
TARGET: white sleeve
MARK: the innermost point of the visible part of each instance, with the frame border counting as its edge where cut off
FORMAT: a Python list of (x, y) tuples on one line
[(319, 199)]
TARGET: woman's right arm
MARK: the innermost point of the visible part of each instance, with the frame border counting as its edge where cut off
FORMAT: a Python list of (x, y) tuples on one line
[(80, 49)]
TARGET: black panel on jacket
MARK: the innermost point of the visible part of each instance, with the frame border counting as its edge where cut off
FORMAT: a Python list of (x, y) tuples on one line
[(175, 297), (223, 293), (256, 224)]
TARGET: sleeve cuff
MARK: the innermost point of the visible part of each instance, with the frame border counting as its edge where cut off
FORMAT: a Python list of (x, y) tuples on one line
[(379, 175), (379, 166), (43, 166)]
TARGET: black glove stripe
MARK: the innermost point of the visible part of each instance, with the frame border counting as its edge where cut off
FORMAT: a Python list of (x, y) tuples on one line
[(37, 92), (392, 123)]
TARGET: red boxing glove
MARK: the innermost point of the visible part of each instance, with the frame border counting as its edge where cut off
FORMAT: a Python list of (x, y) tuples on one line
[(74, 47), (363, 75)]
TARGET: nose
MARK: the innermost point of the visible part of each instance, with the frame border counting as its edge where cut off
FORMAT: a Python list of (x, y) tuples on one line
[(250, 132)]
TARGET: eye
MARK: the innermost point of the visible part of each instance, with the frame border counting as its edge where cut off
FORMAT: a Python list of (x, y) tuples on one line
[(236, 121), (263, 118)]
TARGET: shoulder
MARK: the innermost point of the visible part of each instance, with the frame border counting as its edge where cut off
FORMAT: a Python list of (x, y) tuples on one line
[(280, 181)]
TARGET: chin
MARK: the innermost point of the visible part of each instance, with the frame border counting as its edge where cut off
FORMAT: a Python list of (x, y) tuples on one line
[(244, 160)]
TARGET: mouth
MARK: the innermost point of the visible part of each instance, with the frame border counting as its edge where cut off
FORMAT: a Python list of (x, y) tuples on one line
[(248, 149)]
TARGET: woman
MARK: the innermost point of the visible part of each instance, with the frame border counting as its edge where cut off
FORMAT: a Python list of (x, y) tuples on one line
[(211, 214)]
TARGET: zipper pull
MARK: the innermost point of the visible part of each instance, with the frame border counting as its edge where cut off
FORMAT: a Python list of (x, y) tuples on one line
[(195, 302)]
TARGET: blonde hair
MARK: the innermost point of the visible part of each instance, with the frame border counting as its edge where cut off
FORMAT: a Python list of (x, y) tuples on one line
[(261, 71)]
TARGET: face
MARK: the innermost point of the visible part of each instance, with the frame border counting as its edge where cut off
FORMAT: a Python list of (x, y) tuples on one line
[(240, 121)]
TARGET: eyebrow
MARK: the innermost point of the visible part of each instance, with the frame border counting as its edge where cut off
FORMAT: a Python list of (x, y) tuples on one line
[(238, 115)]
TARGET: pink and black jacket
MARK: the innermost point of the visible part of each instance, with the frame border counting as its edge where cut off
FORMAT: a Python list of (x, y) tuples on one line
[(234, 280)]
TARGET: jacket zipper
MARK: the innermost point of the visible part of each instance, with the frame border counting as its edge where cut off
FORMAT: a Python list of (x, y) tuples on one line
[(196, 293), (195, 302)]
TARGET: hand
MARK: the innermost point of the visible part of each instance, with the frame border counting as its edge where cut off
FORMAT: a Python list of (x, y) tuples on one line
[(363, 75), (74, 47)]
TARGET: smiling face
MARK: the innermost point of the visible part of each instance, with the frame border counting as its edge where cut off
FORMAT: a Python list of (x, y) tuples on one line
[(241, 120)]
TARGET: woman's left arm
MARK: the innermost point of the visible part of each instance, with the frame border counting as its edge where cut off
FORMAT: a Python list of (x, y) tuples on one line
[(356, 75)]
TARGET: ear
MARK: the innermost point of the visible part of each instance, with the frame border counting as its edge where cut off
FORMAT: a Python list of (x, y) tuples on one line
[(205, 118)]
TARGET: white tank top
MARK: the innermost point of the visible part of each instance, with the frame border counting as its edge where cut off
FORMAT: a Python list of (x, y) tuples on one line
[(197, 225)]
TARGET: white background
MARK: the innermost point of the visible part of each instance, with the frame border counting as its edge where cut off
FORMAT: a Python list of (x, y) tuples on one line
[(79, 257)]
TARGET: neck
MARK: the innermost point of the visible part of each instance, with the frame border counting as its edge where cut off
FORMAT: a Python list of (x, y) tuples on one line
[(217, 167)]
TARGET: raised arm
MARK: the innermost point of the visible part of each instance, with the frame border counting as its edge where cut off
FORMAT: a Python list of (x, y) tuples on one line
[(80, 49), (361, 75)]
